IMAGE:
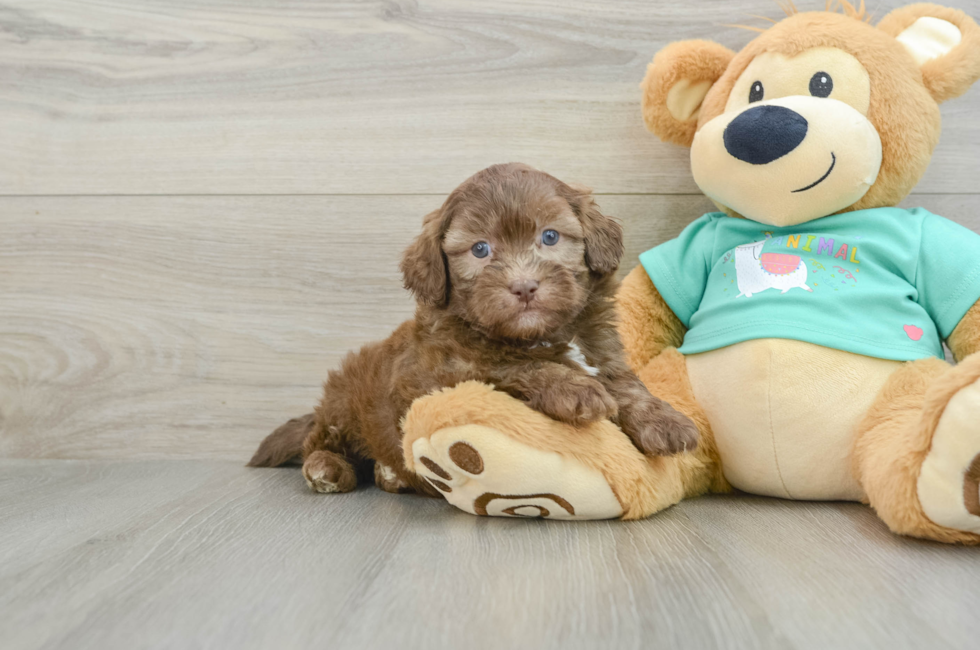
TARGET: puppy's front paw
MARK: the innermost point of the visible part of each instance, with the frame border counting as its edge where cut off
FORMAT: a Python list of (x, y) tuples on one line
[(576, 401), (657, 429)]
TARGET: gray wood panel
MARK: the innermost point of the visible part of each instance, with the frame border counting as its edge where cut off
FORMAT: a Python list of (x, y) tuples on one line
[(189, 327), (220, 96), (181, 554)]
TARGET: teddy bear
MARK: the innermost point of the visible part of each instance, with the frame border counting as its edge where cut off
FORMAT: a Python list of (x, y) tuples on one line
[(801, 326)]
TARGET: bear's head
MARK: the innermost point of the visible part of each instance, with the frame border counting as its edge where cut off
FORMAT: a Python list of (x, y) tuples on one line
[(822, 113)]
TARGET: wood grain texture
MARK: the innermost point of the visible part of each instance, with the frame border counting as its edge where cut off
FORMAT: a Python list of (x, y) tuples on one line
[(182, 554), (192, 326), (384, 96), (189, 327)]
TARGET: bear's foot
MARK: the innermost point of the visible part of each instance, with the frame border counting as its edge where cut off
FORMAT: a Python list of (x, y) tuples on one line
[(949, 482), (483, 471)]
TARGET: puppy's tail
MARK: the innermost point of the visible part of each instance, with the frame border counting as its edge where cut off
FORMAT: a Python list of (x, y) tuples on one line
[(285, 444)]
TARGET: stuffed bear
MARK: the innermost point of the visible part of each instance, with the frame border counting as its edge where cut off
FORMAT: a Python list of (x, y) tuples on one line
[(801, 326)]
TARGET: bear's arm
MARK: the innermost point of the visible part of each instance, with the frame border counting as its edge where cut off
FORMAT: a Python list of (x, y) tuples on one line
[(965, 339), (646, 324)]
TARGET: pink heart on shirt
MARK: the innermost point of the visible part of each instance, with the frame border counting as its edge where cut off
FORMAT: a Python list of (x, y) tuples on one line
[(915, 333)]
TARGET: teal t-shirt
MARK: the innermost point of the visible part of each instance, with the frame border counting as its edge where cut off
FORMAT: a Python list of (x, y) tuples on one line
[(886, 283)]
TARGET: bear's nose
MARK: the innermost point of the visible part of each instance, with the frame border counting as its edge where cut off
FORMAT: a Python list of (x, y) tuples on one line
[(763, 134)]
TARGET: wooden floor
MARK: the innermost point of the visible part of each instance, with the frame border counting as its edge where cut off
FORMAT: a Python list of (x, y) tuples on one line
[(202, 208), (194, 554)]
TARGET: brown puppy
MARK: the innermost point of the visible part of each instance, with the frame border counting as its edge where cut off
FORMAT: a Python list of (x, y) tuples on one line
[(514, 281)]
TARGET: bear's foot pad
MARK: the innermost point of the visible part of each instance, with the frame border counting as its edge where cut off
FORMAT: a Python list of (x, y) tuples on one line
[(483, 471), (949, 483)]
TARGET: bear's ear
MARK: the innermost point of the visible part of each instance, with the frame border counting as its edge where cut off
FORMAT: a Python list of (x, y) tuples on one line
[(676, 82), (945, 43)]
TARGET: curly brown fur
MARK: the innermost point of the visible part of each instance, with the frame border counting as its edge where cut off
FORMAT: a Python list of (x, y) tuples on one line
[(512, 318), (283, 445)]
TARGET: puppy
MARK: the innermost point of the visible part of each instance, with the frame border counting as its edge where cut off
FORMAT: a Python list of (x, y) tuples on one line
[(514, 281)]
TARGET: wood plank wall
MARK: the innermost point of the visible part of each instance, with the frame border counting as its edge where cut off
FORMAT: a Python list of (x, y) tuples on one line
[(202, 204)]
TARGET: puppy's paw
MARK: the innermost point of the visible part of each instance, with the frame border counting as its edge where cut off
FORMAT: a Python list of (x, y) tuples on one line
[(327, 472), (657, 429), (577, 401), (386, 479)]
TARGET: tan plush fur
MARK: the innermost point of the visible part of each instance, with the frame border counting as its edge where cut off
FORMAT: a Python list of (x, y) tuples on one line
[(895, 437), (642, 485), (646, 324), (965, 339), (667, 376), (784, 413), (951, 75), (691, 61)]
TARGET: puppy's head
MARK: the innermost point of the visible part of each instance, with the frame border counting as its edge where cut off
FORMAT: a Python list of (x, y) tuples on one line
[(514, 252)]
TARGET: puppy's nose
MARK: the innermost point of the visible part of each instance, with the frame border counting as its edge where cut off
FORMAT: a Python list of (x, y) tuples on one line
[(763, 134), (524, 289)]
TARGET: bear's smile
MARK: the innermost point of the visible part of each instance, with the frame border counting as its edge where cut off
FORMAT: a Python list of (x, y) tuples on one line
[(833, 161)]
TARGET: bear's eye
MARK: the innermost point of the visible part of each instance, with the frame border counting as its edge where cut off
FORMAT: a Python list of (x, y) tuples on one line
[(757, 92), (480, 249), (821, 85), (549, 237)]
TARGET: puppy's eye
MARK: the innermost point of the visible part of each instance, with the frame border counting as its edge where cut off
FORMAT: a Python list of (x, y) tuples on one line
[(549, 237), (821, 85), (480, 249), (757, 92)]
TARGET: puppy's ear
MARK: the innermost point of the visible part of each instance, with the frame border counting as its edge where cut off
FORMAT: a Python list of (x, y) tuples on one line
[(945, 44), (424, 264), (603, 235), (676, 83)]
